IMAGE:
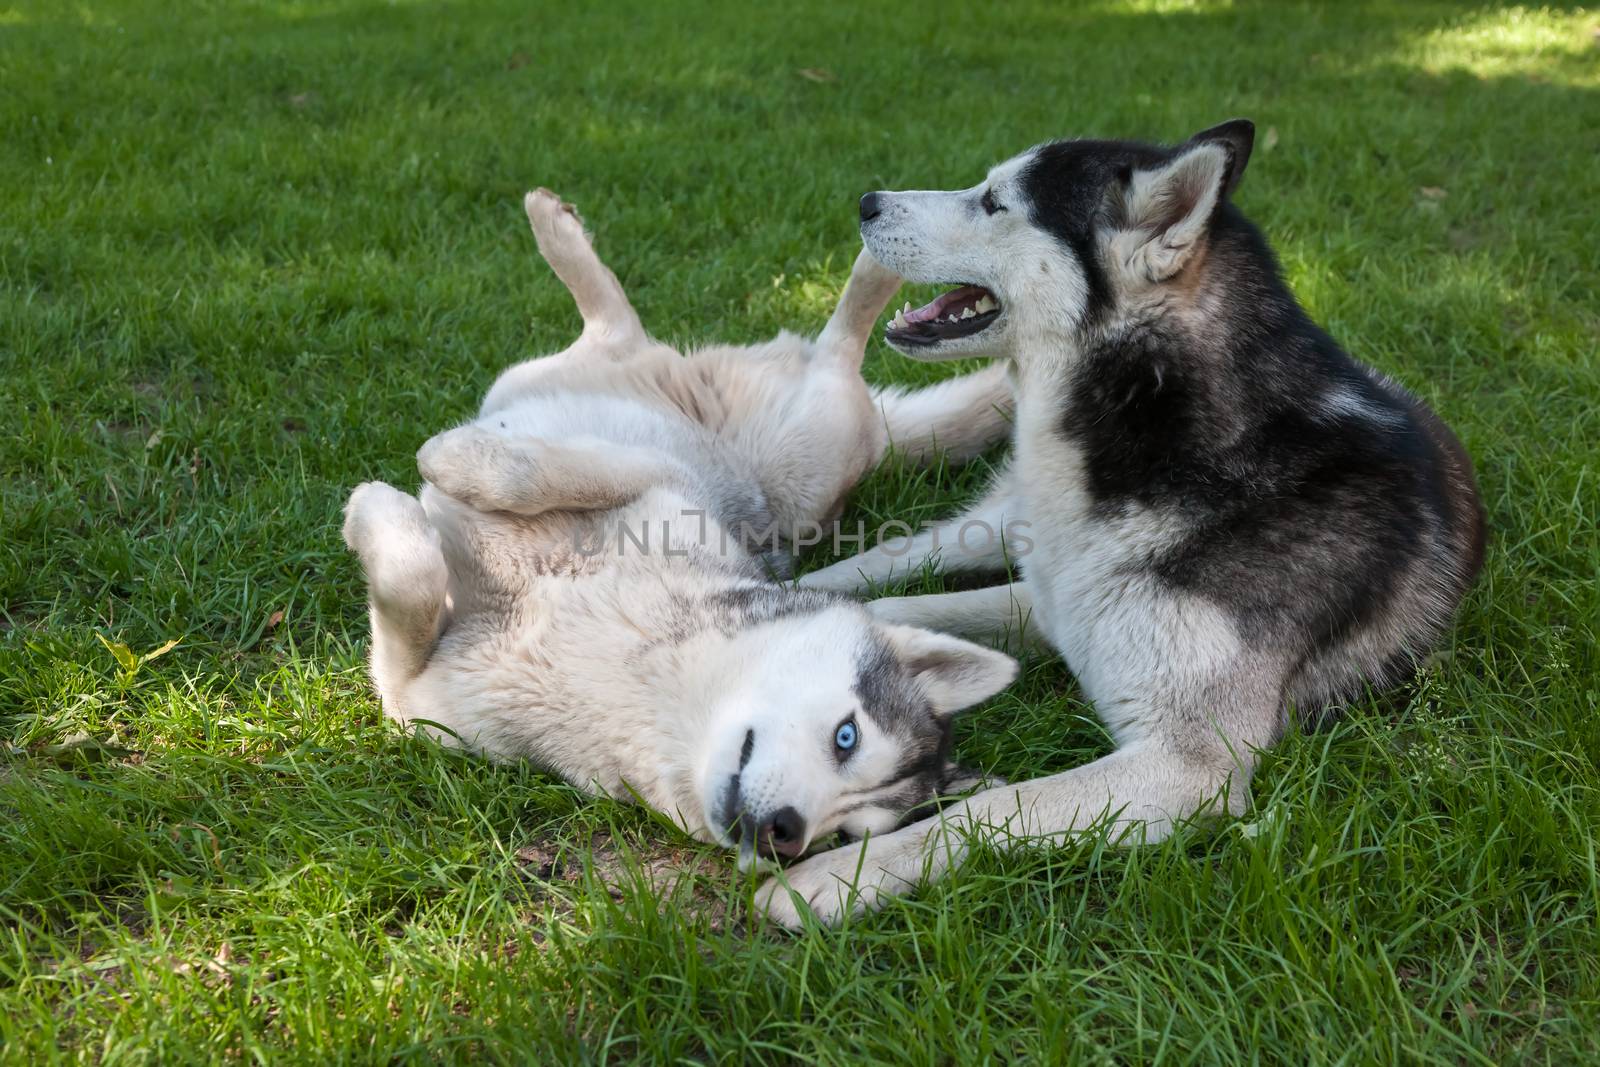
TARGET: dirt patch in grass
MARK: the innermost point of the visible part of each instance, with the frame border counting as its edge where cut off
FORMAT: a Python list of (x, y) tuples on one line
[(690, 881)]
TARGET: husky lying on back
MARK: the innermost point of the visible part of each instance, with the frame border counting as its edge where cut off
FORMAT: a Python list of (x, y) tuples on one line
[(1231, 519), (576, 586)]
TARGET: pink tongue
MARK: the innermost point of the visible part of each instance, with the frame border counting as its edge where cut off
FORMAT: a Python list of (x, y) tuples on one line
[(967, 294)]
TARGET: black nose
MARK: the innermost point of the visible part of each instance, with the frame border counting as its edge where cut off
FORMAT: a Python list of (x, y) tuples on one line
[(784, 832), (869, 207)]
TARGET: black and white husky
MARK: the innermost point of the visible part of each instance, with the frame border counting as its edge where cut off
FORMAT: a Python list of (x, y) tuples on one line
[(577, 584), (1231, 520)]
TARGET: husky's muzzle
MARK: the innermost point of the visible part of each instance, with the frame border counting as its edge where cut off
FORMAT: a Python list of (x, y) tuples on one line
[(961, 312), (780, 832)]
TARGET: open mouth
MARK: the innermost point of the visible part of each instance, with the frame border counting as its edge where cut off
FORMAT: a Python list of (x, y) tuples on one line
[(959, 313)]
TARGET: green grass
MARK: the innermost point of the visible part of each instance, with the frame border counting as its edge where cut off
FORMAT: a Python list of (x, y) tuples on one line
[(254, 253)]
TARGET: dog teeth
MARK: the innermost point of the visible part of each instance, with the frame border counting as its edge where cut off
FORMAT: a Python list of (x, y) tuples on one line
[(907, 309), (985, 304), (967, 314)]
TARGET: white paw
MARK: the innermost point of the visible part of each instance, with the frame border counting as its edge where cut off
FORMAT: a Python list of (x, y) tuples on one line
[(461, 462), (774, 903), (844, 881), (553, 217), (398, 547), (821, 884), (834, 578), (375, 506)]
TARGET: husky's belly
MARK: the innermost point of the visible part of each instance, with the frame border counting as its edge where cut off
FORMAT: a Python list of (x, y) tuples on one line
[(546, 612), (497, 559), (542, 616), (598, 416)]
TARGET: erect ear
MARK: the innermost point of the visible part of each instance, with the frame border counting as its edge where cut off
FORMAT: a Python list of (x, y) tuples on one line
[(953, 673), (1238, 136), (1170, 206)]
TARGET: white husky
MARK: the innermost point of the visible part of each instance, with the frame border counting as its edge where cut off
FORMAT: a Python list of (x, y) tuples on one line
[(577, 584)]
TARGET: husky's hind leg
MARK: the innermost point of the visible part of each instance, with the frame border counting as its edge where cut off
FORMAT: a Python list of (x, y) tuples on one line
[(850, 326), (958, 418), (529, 475), (406, 582), (566, 247)]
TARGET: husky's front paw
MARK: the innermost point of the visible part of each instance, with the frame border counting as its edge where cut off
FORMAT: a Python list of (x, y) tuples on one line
[(844, 881), (398, 547), (809, 887), (463, 463)]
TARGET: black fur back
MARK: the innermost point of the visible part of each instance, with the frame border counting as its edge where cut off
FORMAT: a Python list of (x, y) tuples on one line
[(1312, 493)]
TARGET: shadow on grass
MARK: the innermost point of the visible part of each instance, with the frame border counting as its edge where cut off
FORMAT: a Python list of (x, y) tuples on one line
[(388, 826)]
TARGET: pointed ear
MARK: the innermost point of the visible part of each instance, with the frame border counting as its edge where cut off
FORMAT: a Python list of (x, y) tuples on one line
[(1238, 136), (953, 673), (1171, 205)]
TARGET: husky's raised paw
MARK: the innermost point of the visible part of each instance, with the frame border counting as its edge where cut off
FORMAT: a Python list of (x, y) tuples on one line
[(465, 463), (554, 218), (398, 548)]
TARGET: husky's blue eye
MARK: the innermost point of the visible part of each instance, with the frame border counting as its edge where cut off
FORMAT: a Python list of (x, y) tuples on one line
[(844, 738)]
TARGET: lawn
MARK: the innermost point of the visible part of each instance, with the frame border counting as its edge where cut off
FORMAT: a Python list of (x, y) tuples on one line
[(254, 253)]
